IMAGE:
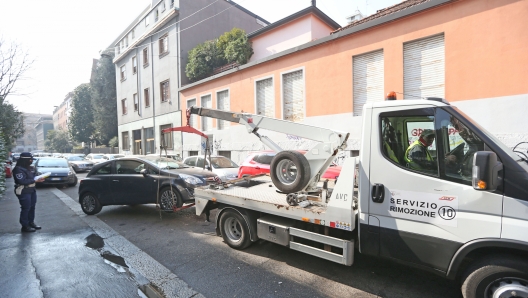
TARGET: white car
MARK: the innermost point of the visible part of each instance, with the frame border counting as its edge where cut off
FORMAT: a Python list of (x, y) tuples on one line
[(95, 157), (224, 167), (112, 156)]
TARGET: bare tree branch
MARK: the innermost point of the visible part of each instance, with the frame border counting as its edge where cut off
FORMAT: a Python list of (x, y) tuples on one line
[(14, 63)]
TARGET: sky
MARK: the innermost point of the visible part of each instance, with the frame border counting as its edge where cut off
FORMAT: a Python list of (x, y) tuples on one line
[(63, 36)]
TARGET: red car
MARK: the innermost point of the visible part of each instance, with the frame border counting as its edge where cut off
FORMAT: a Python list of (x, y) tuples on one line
[(259, 163)]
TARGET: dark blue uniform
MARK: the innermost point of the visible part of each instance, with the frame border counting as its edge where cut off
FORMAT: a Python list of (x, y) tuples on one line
[(28, 198)]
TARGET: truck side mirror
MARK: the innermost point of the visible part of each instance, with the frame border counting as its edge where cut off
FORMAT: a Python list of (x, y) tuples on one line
[(486, 171)]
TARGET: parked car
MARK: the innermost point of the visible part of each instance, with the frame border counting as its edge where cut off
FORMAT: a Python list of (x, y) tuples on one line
[(224, 167), (79, 164), (95, 157), (112, 156), (259, 163), (61, 172), (141, 180), (15, 156), (176, 157)]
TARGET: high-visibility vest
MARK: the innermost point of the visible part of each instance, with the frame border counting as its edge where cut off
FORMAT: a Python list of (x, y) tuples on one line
[(411, 163), (390, 153)]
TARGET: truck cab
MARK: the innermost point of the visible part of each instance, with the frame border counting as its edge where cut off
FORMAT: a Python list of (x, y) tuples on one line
[(429, 214)]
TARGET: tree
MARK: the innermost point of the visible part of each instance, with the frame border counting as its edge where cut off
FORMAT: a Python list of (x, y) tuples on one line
[(58, 141), (11, 124), (104, 98), (114, 142), (81, 125), (14, 63), (235, 46), (203, 59)]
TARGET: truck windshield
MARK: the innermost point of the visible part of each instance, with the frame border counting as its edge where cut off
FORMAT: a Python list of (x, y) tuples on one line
[(495, 140)]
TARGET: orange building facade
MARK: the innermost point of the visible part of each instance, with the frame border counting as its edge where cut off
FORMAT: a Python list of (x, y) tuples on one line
[(478, 61)]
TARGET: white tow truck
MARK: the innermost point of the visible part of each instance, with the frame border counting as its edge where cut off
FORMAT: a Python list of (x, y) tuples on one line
[(459, 210)]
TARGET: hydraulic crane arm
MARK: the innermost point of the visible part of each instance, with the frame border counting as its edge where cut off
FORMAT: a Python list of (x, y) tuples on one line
[(319, 157)]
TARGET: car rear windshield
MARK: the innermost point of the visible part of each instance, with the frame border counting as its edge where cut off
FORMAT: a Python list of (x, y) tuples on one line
[(223, 162), (53, 163), (74, 158), (164, 162)]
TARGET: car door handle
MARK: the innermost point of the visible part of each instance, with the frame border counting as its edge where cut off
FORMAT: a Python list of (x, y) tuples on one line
[(378, 193)]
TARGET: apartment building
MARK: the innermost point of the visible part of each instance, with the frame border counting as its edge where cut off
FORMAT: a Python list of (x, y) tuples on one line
[(62, 112), (42, 126), (471, 52), (150, 60)]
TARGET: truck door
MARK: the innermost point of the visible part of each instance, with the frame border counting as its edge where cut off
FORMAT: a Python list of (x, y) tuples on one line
[(422, 195)]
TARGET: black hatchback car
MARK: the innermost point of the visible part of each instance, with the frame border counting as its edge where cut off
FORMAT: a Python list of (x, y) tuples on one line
[(141, 180)]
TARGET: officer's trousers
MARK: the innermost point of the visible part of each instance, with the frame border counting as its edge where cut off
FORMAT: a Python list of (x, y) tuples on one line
[(27, 206)]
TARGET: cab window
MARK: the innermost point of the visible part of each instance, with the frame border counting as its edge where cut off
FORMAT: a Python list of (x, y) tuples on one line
[(408, 139), (459, 144), (191, 161)]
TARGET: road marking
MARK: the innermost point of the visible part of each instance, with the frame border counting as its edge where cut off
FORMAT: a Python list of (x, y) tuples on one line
[(158, 275)]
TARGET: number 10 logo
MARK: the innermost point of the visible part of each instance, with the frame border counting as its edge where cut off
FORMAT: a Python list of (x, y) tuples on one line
[(447, 212)]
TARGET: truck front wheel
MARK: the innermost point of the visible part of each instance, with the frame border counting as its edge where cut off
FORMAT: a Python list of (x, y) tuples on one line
[(497, 276), (234, 230)]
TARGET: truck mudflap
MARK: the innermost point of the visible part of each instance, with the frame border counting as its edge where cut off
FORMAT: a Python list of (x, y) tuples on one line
[(347, 258)]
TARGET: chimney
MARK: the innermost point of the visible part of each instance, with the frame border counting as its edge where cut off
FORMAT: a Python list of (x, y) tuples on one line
[(313, 3)]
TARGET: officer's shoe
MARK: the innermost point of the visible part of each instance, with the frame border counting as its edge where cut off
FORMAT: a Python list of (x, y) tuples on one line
[(34, 226), (28, 229)]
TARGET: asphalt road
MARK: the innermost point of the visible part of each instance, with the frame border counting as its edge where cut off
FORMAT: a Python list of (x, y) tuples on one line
[(188, 246)]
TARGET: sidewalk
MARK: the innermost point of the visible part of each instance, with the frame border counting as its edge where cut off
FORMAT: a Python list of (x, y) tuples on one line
[(74, 255)]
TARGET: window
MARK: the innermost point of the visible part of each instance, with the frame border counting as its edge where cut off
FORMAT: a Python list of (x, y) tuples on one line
[(123, 72), (222, 98), (164, 45), (207, 122), (293, 96), (166, 137), (424, 67), (193, 118), (265, 98), (150, 147), (133, 33), (134, 65), (414, 144), (164, 91), (163, 6), (191, 161), (146, 20), (126, 41), (118, 49), (146, 97), (136, 102), (459, 144), (193, 153), (106, 170), (156, 15), (171, 3), (125, 145), (145, 57), (128, 167), (368, 80), (124, 106)]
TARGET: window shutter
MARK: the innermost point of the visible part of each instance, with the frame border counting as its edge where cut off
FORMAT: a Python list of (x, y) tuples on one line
[(293, 95), (265, 102), (368, 81)]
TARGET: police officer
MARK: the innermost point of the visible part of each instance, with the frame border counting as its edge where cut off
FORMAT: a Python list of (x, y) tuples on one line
[(25, 191)]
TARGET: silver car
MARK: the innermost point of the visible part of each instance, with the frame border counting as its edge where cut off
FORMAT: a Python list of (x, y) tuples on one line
[(224, 167)]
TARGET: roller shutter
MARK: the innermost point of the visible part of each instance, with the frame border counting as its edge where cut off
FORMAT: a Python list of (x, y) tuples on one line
[(293, 96), (207, 122), (265, 100), (368, 81), (424, 67), (222, 104)]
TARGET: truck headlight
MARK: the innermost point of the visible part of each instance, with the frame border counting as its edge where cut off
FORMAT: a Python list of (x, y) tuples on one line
[(191, 179)]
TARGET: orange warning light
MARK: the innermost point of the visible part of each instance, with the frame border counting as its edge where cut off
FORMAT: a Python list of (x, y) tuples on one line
[(306, 219), (391, 96), (482, 184)]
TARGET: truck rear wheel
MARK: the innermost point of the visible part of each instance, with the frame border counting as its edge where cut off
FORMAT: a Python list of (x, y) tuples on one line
[(290, 171), (234, 229), (498, 276)]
